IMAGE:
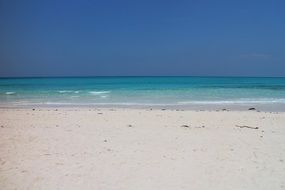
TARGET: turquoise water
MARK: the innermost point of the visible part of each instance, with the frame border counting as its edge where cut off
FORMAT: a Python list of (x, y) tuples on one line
[(142, 91)]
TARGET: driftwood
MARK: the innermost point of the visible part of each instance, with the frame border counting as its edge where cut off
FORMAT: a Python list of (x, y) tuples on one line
[(245, 126)]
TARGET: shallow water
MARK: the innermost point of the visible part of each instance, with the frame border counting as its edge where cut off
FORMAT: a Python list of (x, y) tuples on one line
[(143, 91)]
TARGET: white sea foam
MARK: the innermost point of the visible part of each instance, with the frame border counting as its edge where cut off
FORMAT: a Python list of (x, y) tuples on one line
[(257, 101), (68, 91), (102, 104), (99, 92), (132, 104), (10, 93), (65, 91)]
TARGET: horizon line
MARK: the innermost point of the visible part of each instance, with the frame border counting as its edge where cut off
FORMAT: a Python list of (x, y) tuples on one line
[(105, 76)]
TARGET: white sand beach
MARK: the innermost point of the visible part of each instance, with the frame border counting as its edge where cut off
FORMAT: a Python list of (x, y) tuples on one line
[(121, 149)]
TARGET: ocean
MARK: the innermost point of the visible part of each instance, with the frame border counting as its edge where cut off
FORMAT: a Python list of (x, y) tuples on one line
[(143, 91)]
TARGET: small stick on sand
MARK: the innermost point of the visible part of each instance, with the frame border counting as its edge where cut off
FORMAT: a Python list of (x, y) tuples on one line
[(245, 126)]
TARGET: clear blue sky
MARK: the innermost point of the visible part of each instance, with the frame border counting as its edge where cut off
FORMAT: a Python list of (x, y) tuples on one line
[(149, 37)]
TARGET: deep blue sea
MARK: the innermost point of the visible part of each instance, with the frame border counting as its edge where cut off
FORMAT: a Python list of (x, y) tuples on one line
[(137, 91)]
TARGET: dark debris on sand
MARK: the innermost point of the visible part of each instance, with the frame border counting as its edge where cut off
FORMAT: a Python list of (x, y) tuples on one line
[(245, 126)]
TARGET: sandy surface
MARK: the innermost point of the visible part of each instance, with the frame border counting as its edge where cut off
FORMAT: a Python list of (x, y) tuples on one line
[(141, 149)]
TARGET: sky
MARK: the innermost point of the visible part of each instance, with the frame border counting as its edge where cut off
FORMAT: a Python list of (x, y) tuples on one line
[(142, 38)]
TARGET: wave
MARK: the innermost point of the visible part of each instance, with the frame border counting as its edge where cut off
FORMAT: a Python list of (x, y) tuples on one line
[(179, 103), (10, 93), (94, 104), (68, 91), (99, 92), (261, 101), (65, 91)]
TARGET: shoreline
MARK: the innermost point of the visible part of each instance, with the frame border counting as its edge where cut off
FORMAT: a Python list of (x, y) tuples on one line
[(258, 108)]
